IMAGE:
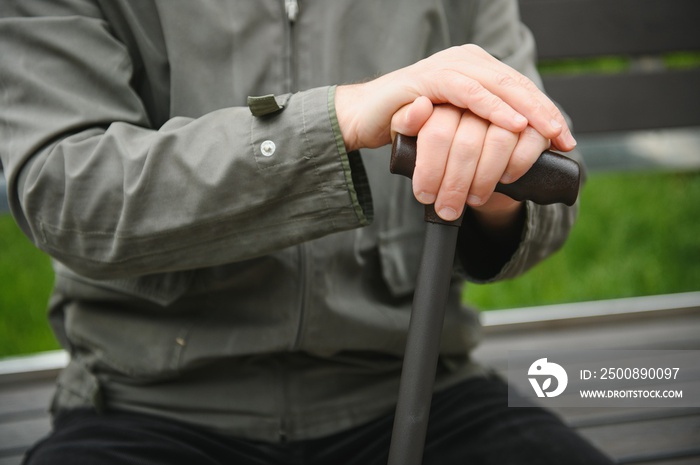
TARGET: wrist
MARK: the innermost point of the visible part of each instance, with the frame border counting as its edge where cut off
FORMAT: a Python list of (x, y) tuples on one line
[(345, 96), (500, 219), (365, 110)]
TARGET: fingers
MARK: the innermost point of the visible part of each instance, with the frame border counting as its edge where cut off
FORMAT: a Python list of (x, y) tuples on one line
[(466, 77), (462, 162), (530, 144), (461, 157), (465, 92), (526, 98), (541, 112), (411, 118), (470, 78), (433, 149), (520, 92), (495, 156)]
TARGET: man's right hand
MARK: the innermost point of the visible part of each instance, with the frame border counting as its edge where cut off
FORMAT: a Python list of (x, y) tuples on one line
[(459, 94)]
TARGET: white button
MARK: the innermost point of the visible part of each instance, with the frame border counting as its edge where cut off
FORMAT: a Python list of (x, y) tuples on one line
[(267, 148)]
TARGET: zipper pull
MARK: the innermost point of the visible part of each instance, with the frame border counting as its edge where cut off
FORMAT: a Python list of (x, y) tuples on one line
[(292, 9)]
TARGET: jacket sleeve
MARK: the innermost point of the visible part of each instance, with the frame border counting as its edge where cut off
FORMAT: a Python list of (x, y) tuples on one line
[(93, 184), (543, 228)]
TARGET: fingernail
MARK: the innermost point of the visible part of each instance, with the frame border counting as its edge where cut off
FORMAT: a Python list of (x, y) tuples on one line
[(447, 214), (426, 198), (570, 138), (519, 119), (555, 124), (474, 200), (506, 178)]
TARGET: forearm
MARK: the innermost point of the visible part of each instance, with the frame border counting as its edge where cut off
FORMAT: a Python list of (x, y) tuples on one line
[(194, 193), (101, 186)]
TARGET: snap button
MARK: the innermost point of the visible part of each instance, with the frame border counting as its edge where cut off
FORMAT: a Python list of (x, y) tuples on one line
[(267, 148)]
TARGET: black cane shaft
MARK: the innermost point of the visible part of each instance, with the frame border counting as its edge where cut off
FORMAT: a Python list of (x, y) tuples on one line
[(553, 178), (423, 345)]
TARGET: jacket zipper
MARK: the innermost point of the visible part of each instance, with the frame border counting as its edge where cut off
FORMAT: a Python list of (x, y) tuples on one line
[(291, 8)]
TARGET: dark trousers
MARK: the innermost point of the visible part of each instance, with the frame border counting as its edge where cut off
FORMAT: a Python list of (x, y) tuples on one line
[(470, 423)]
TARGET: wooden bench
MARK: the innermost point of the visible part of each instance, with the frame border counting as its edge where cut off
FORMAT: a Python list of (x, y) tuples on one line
[(611, 113), (656, 436), (644, 116), (647, 115), (648, 95)]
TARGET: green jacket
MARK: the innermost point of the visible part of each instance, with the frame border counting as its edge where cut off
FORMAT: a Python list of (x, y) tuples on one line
[(202, 274)]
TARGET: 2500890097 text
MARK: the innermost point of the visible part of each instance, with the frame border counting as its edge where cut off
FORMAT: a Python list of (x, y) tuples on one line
[(630, 373)]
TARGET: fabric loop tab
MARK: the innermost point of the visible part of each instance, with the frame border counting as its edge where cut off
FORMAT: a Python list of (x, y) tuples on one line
[(266, 104)]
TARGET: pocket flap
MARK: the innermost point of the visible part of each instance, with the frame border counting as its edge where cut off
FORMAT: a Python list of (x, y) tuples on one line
[(400, 253)]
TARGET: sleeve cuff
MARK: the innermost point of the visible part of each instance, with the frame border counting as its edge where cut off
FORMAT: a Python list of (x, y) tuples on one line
[(544, 231), (355, 174)]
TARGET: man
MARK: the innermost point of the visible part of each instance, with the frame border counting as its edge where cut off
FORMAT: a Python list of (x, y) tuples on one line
[(233, 277)]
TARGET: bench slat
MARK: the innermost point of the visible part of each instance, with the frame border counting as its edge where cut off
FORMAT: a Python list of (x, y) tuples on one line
[(22, 400), (656, 438), (628, 101), (18, 436), (583, 28)]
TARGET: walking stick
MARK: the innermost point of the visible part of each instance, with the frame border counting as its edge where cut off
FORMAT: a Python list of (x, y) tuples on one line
[(552, 179)]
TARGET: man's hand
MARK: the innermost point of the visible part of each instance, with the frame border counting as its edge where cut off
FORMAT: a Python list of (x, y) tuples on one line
[(461, 157), (466, 77), (479, 122)]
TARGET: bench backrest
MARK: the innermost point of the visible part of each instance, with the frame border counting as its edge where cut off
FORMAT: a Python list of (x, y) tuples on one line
[(648, 94)]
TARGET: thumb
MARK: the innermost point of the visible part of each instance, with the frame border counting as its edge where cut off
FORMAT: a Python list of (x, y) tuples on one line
[(411, 118)]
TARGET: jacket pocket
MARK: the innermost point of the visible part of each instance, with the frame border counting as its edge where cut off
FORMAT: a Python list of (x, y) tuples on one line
[(399, 253)]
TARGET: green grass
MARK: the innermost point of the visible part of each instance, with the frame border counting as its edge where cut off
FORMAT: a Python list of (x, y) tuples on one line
[(682, 60), (638, 234), (596, 65), (26, 279), (614, 64)]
